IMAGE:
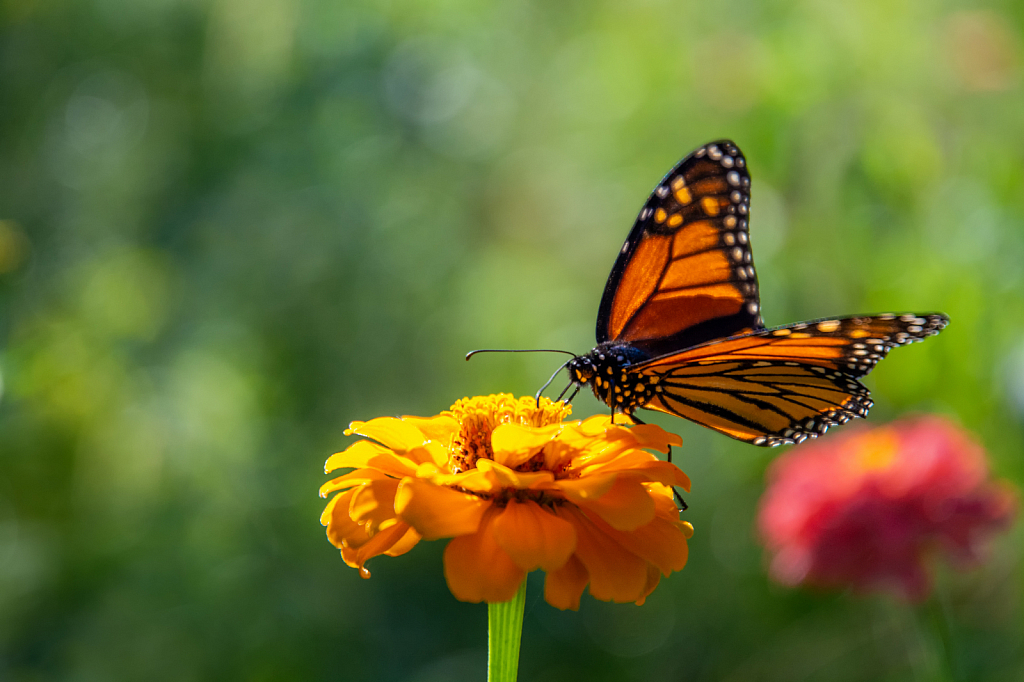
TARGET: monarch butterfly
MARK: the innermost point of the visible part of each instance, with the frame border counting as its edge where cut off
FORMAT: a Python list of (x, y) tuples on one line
[(679, 329)]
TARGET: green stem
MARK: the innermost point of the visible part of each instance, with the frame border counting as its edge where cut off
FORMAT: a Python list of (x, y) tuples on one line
[(504, 631), (939, 616)]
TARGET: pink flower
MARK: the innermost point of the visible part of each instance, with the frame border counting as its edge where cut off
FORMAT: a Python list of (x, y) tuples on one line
[(865, 508)]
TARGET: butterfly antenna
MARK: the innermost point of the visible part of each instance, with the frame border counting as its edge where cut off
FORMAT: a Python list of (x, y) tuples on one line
[(536, 398), (518, 350)]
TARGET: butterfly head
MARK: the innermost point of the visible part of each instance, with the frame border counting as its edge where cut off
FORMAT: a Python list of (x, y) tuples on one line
[(582, 369), (608, 371)]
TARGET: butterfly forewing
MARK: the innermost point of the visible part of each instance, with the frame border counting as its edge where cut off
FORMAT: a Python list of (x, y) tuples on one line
[(685, 274), (851, 344)]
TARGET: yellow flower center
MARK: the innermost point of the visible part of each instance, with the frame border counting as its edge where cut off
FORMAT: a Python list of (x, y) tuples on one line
[(479, 416)]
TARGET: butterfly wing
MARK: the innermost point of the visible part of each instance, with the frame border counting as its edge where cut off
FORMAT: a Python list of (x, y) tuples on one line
[(685, 274), (782, 385)]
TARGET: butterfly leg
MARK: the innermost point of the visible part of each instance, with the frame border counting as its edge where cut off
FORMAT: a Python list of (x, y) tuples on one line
[(611, 403), (682, 503)]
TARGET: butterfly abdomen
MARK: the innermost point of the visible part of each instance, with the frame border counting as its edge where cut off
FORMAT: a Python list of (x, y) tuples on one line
[(606, 370)]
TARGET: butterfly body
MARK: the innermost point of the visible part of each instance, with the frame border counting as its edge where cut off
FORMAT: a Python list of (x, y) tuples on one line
[(679, 329)]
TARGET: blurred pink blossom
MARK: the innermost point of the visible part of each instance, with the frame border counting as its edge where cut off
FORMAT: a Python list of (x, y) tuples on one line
[(864, 509)]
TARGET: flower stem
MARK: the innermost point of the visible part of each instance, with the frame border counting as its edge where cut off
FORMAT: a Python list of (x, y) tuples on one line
[(504, 632), (938, 614)]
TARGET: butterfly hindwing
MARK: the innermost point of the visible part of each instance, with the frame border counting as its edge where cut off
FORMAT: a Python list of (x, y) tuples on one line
[(764, 402), (685, 274), (782, 385)]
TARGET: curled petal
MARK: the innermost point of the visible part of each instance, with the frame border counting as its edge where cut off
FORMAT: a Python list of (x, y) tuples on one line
[(534, 537), (340, 525), (478, 569), (436, 511), (653, 578), (378, 544), (564, 587), (664, 502), (374, 503), (405, 543), (615, 574)]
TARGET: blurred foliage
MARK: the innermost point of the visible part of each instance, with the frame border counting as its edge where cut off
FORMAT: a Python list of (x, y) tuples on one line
[(229, 227)]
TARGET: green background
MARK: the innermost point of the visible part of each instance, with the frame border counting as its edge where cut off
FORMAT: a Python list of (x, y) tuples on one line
[(231, 227)]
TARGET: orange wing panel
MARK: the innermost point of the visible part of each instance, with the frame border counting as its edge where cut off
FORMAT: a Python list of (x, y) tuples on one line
[(666, 313), (639, 280), (710, 267), (697, 236)]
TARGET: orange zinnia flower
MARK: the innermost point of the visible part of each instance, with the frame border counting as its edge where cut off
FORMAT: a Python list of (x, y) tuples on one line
[(516, 489)]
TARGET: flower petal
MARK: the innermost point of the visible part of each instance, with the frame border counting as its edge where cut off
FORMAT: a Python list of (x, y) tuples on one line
[(340, 526), (625, 505), (405, 543), (654, 437), (662, 542), (365, 453), (478, 569), (438, 512), (587, 488), (564, 587), (534, 537), (378, 544), (647, 470), (653, 578), (479, 480), (441, 428), (374, 503), (352, 478), (595, 425), (390, 432), (507, 478), (615, 574), (513, 444)]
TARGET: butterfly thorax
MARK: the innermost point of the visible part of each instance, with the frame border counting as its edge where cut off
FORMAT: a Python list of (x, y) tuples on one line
[(607, 370)]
